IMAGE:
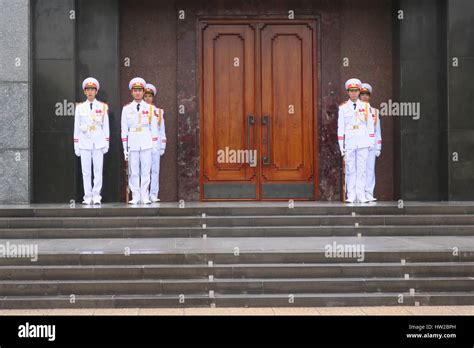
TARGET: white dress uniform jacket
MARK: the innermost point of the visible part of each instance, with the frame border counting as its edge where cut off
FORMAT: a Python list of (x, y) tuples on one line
[(138, 132), (158, 117), (378, 130), (159, 114), (91, 126), (370, 175), (354, 131)]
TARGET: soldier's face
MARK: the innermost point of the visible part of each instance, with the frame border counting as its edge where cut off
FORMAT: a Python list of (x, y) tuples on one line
[(90, 93), (137, 93), (354, 94), (365, 97), (148, 98)]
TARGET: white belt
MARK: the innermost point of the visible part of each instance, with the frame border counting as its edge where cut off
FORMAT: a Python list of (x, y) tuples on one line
[(139, 129)]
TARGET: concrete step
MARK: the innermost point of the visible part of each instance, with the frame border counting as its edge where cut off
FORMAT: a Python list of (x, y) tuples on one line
[(239, 250), (229, 258), (235, 209), (258, 254), (233, 286), (242, 300), (238, 271), (220, 232), (231, 221)]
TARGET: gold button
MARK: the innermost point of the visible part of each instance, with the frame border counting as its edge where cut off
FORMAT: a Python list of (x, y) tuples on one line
[(139, 129)]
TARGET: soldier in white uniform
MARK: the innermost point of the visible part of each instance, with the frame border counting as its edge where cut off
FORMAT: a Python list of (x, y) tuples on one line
[(139, 139), (355, 133), (158, 116), (91, 139), (365, 94)]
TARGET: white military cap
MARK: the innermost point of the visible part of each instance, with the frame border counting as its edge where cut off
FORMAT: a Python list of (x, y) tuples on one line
[(137, 82), (353, 83), (149, 88), (90, 82), (366, 88)]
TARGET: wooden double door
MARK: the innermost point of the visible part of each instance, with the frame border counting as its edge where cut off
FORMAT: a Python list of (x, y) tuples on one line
[(257, 109)]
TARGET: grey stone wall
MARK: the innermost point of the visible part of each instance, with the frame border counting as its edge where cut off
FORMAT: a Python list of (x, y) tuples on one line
[(15, 94)]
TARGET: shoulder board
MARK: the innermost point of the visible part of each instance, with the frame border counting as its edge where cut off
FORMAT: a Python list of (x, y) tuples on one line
[(344, 102), (102, 102), (127, 104)]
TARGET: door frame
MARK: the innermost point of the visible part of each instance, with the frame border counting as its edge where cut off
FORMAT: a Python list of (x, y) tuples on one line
[(314, 22)]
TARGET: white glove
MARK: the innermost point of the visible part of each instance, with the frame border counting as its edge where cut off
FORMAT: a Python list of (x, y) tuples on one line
[(343, 152), (162, 152), (377, 154), (105, 149), (125, 154), (83, 128), (77, 152)]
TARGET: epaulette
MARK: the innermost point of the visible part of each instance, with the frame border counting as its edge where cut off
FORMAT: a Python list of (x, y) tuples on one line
[(344, 102)]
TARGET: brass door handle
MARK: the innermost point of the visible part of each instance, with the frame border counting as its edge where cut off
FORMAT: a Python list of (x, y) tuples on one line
[(250, 123), (267, 159)]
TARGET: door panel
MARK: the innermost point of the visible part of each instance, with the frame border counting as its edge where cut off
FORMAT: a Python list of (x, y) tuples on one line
[(229, 94), (287, 99)]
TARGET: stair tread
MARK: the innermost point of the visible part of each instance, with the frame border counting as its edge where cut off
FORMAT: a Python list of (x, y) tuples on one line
[(235, 280), (256, 216), (246, 265), (206, 296), (241, 227), (246, 244)]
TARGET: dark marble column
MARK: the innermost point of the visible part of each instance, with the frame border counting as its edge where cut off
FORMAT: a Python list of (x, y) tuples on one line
[(97, 55), (422, 79), (54, 81), (461, 97)]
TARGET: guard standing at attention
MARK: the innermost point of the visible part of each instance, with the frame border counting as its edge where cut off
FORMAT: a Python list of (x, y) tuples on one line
[(355, 133), (365, 94), (91, 139), (139, 139), (158, 116)]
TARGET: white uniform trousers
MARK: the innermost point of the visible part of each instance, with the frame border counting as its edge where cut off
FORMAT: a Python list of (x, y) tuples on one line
[(155, 174), (140, 166), (92, 158), (356, 166), (370, 180)]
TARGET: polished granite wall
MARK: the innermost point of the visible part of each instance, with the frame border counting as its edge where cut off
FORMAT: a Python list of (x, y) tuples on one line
[(422, 79), (366, 39), (15, 154), (337, 39), (404, 60), (162, 50), (434, 66), (72, 40), (461, 99), (148, 40), (54, 164)]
